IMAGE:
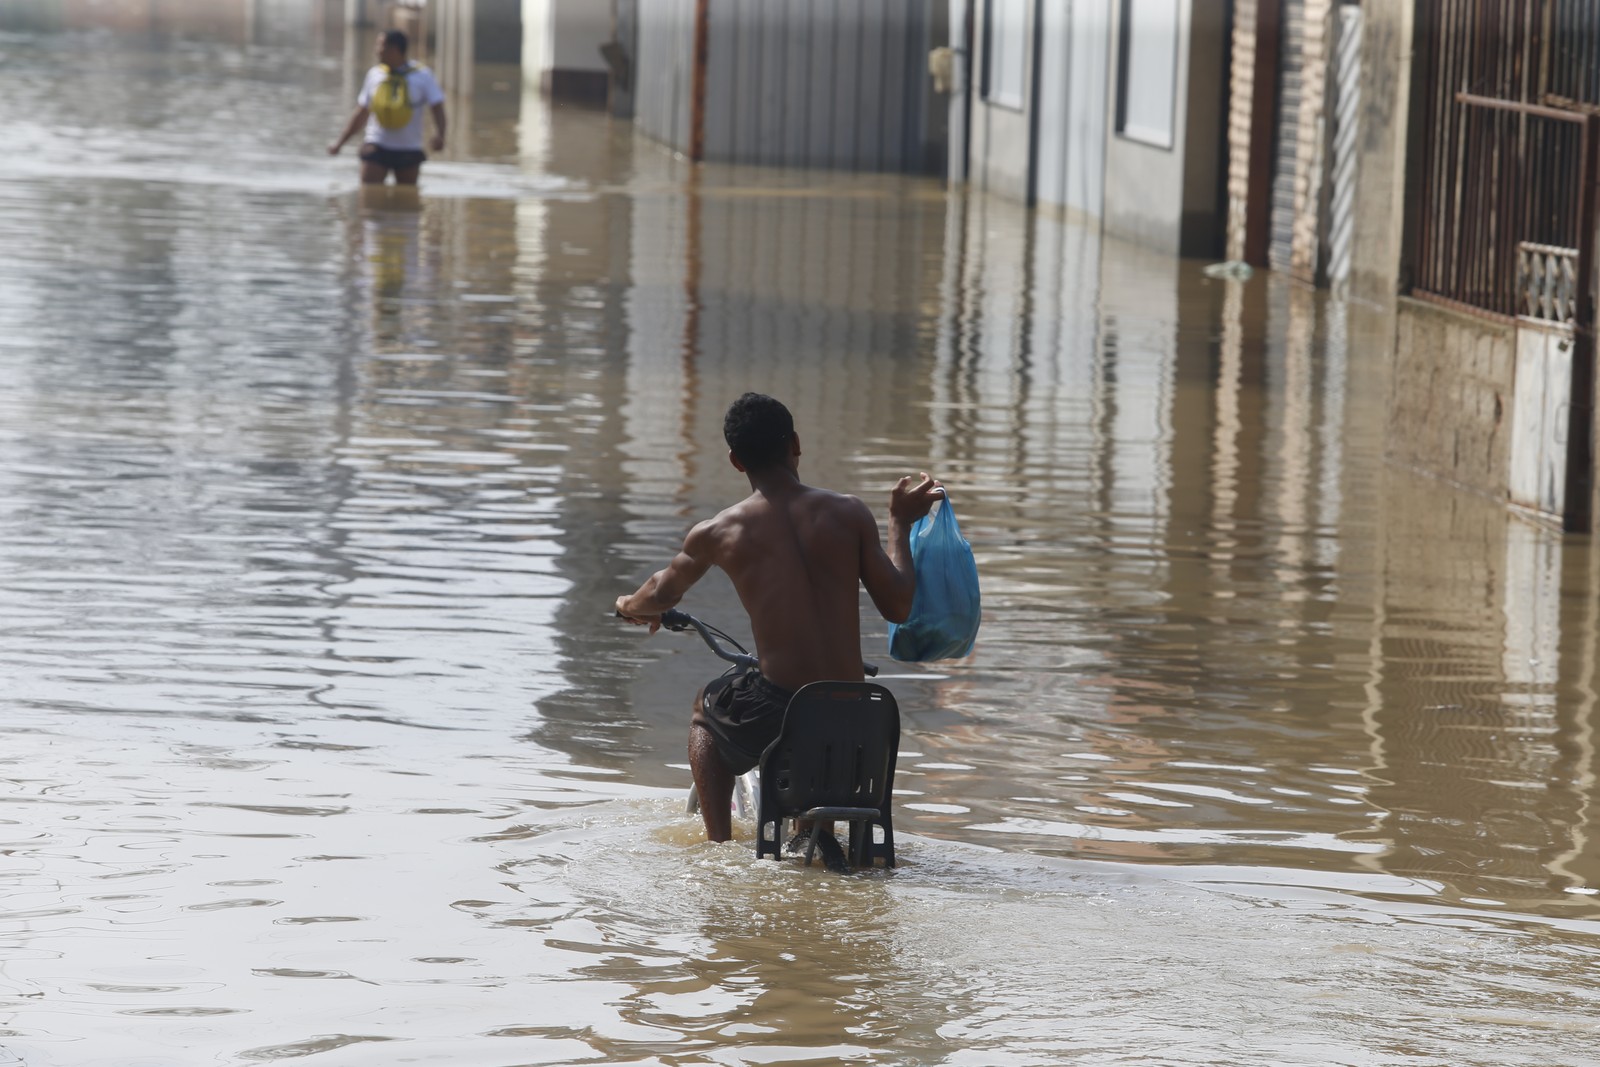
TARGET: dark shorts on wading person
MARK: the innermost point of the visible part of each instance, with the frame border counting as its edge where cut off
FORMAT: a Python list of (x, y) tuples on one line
[(392, 158), (743, 713)]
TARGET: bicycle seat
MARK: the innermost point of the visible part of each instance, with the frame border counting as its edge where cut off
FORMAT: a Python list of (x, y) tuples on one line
[(833, 760)]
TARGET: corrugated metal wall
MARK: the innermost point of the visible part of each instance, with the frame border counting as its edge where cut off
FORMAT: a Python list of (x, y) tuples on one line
[(664, 71), (819, 83)]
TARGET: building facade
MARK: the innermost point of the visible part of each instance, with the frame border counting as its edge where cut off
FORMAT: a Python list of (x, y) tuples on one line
[(1107, 109), (562, 42), (1434, 157), (788, 82), (1477, 192)]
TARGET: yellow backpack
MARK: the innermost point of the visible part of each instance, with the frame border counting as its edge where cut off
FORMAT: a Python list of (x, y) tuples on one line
[(391, 100)]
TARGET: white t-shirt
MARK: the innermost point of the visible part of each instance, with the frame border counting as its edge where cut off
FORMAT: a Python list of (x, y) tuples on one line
[(423, 92)]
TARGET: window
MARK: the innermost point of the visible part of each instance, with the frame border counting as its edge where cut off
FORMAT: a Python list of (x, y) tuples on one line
[(1146, 95), (1005, 64)]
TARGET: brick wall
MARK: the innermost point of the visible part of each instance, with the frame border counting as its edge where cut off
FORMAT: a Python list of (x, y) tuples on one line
[(1311, 137), (1450, 405), (1241, 91)]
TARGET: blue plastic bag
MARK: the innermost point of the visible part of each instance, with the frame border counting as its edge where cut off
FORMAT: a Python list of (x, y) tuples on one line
[(946, 610)]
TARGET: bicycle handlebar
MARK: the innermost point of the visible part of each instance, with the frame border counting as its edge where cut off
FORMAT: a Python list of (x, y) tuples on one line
[(678, 621)]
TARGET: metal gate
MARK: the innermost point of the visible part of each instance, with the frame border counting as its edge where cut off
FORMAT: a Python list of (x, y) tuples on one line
[(1504, 174), (1506, 215), (1509, 238)]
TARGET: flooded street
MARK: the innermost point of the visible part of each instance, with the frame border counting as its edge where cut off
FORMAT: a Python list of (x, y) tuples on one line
[(320, 743)]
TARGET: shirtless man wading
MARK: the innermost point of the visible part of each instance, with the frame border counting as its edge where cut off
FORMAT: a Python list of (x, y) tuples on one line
[(797, 557)]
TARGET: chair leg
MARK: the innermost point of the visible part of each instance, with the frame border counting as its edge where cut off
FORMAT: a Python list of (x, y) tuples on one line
[(860, 837), (769, 845), (811, 842)]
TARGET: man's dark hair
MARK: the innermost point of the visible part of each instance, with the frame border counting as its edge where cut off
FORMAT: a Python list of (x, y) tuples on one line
[(757, 429), (397, 39)]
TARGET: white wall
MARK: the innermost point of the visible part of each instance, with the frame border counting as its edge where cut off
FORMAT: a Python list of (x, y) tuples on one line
[(563, 35), (536, 40), (1144, 181), (1000, 131), (1170, 198), (1075, 58), (580, 28), (1376, 245)]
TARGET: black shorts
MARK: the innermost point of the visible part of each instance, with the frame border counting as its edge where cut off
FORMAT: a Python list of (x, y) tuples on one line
[(392, 158), (744, 713)]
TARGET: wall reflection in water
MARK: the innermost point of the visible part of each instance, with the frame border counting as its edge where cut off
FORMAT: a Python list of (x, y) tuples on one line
[(1481, 712)]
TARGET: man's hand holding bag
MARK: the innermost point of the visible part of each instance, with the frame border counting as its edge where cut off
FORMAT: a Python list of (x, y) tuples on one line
[(947, 608)]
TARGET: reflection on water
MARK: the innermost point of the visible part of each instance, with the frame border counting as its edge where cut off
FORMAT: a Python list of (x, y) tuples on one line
[(320, 743)]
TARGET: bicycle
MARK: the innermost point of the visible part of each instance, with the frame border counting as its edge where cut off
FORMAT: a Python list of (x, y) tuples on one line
[(746, 799), (747, 787)]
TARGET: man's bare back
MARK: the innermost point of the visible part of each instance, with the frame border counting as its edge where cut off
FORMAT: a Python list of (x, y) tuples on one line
[(794, 555), (797, 557)]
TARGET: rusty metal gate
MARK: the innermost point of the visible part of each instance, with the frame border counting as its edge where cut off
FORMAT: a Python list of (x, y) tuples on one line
[(1506, 210), (1504, 175)]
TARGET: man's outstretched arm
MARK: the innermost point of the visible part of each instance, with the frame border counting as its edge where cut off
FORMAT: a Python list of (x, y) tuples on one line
[(890, 578), (358, 118), (663, 589)]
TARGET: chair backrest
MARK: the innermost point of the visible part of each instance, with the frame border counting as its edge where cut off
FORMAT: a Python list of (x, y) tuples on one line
[(836, 749)]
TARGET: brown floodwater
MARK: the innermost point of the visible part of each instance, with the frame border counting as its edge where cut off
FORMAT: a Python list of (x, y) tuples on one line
[(319, 743)]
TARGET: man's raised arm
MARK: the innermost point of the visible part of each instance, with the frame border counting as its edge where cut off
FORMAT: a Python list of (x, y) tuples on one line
[(890, 578), (663, 589)]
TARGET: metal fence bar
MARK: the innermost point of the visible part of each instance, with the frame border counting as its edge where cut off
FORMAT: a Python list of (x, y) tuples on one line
[(1581, 415), (1497, 104), (1509, 85)]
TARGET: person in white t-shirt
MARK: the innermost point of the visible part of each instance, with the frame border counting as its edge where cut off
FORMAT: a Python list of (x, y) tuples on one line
[(393, 117)]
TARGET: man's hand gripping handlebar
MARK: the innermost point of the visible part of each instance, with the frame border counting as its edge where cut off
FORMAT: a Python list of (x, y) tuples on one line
[(717, 641)]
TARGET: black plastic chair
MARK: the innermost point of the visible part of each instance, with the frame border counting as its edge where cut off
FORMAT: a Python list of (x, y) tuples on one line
[(833, 760)]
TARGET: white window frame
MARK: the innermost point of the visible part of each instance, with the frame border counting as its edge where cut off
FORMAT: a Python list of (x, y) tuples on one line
[(1005, 61), (1147, 89)]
